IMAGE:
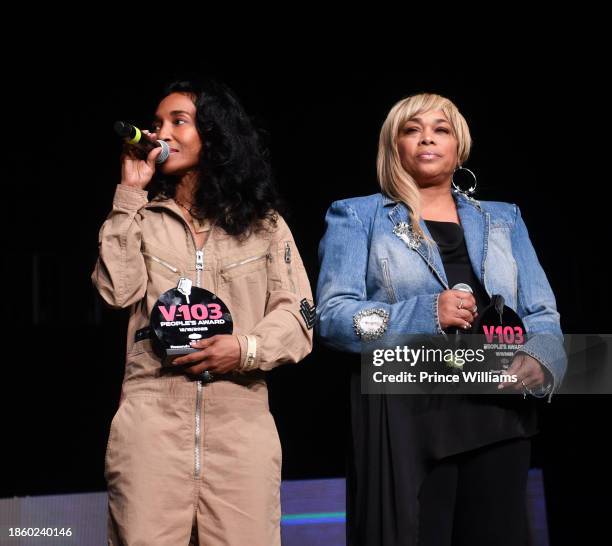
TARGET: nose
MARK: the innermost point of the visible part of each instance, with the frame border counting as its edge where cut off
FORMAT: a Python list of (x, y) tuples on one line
[(164, 132), (426, 138)]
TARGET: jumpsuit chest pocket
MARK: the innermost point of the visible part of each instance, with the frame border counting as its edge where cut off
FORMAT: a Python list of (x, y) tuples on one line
[(162, 262), (252, 264)]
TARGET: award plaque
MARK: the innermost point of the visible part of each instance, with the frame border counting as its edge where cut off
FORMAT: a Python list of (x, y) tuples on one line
[(188, 313), (500, 333)]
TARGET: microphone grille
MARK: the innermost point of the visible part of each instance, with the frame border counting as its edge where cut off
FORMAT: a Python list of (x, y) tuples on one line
[(463, 287), (165, 153)]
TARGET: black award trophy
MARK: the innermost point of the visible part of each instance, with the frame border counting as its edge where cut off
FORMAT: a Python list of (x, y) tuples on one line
[(499, 332), (187, 313)]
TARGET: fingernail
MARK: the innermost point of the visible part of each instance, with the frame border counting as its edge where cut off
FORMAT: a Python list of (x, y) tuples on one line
[(192, 342)]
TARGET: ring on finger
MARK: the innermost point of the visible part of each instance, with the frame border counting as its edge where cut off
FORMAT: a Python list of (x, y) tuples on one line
[(206, 376)]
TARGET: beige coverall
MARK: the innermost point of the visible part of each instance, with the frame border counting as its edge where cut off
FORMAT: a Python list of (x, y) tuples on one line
[(184, 454)]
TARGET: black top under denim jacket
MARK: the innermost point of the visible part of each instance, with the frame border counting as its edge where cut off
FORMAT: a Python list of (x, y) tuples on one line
[(518, 416), (407, 434)]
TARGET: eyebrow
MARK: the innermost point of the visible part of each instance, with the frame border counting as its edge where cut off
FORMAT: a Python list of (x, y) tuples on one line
[(174, 113), (419, 120)]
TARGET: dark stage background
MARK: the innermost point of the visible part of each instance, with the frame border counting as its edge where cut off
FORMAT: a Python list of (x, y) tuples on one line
[(537, 142)]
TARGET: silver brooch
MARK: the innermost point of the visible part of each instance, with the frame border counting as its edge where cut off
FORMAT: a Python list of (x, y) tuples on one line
[(370, 324), (405, 232)]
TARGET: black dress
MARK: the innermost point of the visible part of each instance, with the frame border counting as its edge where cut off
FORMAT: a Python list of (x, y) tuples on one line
[(396, 439)]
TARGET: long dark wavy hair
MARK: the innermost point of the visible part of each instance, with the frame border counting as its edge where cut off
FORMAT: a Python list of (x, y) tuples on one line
[(236, 188)]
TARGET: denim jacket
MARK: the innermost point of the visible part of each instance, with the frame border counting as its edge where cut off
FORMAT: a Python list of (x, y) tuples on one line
[(366, 263)]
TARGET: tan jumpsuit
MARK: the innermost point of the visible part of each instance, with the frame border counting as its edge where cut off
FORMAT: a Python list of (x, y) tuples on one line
[(187, 460)]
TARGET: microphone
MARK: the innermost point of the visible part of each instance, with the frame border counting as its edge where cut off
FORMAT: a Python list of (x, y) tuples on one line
[(135, 137), (463, 288)]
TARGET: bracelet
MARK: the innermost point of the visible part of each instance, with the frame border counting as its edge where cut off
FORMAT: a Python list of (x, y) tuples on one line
[(249, 363), (542, 395)]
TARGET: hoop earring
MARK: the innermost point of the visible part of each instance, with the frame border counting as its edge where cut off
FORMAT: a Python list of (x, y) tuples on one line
[(471, 189)]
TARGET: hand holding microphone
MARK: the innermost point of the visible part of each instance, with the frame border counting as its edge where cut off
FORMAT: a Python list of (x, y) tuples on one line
[(457, 307), (142, 141), (142, 152)]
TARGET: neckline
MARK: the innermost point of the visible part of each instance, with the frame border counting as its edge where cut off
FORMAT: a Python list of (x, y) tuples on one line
[(442, 222)]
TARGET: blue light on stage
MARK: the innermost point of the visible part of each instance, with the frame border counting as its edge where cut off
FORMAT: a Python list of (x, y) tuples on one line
[(313, 519)]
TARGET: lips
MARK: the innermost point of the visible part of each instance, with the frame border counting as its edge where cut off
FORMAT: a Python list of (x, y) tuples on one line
[(173, 151), (428, 155)]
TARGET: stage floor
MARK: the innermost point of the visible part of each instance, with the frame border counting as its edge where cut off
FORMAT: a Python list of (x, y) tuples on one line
[(313, 514)]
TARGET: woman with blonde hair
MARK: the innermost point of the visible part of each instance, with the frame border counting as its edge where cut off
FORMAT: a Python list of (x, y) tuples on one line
[(435, 469)]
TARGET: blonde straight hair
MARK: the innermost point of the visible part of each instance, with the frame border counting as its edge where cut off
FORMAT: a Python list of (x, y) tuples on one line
[(392, 177)]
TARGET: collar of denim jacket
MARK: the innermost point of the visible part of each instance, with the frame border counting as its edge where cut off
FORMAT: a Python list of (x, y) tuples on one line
[(458, 196), (474, 221)]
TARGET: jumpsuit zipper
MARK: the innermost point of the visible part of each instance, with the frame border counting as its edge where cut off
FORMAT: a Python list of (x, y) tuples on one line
[(199, 393), (199, 266), (288, 262)]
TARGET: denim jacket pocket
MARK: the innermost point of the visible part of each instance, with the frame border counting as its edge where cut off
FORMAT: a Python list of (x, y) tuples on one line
[(384, 265), (501, 269)]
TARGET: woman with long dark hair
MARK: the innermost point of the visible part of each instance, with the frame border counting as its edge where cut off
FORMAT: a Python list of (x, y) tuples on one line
[(193, 450)]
